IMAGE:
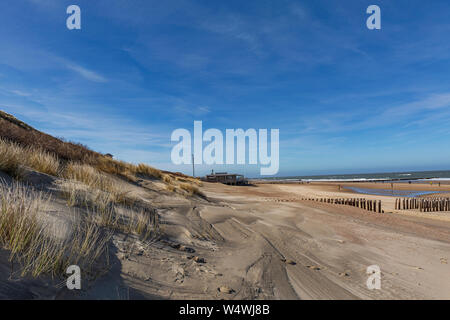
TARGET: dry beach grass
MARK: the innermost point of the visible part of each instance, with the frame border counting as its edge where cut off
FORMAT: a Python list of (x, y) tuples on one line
[(29, 237), (88, 181)]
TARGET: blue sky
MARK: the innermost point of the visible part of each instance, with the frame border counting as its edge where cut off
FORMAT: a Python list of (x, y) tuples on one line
[(346, 99)]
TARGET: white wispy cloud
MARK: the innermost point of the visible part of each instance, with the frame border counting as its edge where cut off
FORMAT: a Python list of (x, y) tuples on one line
[(183, 110), (21, 93), (29, 58), (423, 110), (123, 137), (431, 102), (86, 73)]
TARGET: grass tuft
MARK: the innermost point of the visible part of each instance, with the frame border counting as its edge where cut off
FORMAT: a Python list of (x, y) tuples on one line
[(128, 217), (14, 156), (190, 189), (148, 171), (27, 236), (90, 176)]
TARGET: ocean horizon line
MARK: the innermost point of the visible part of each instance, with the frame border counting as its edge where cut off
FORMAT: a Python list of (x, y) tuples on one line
[(441, 175)]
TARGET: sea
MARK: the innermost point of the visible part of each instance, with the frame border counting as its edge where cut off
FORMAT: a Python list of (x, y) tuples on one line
[(397, 177), (415, 176)]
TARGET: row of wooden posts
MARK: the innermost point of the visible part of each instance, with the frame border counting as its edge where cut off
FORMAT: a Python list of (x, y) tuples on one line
[(370, 205), (423, 204)]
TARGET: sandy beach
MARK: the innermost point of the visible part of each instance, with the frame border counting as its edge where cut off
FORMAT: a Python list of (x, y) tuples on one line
[(262, 243), (332, 245), (257, 242), (137, 232)]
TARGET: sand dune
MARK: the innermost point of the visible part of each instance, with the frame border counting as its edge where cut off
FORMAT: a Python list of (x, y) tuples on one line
[(259, 242)]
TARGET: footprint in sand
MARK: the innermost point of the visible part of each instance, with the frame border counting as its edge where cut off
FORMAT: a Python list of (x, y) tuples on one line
[(291, 262), (225, 289), (186, 249), (315, 268), (199, 260)]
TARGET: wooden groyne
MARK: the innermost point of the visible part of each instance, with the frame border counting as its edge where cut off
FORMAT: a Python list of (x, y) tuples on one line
[(423, 204), (369, 205)]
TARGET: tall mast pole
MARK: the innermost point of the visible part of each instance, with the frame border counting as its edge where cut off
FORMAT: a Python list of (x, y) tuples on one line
[(193, 168)]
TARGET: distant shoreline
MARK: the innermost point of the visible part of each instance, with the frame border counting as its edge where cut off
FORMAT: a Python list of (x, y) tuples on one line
[(405, 180), (418, 176)]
